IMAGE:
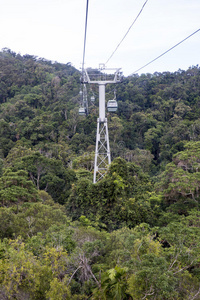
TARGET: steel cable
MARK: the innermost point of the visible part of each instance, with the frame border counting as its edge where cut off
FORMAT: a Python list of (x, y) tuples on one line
[(165, 52), (127, 32)]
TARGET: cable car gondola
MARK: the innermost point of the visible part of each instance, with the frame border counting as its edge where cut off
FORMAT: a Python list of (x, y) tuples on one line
[(82, 111), (112, 105)]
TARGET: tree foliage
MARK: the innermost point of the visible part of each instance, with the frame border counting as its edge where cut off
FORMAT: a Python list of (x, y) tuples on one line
[(132, 235)]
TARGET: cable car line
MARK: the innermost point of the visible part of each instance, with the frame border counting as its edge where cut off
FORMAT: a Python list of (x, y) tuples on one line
[(86, 18), (83, 109), (165, 52), (127, 32)]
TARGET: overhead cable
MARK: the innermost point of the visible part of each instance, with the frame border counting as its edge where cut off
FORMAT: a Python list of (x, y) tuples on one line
[(86, 18), (165, 52), (127, 32)]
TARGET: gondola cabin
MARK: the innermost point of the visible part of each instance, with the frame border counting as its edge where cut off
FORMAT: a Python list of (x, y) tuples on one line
[(112, 105), (81, 111)]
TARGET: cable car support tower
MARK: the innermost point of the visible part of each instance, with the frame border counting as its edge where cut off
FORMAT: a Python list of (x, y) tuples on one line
[(102, 151)]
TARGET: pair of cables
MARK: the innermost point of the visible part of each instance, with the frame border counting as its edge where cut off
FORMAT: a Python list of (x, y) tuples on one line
[(86, 19), (125, 37)]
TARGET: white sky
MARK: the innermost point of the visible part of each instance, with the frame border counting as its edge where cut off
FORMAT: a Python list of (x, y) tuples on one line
[(54, 29)]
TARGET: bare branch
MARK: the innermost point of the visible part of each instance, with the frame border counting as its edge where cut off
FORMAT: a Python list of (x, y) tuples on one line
[(149, 293), (194, 297), (186, 267), (73, 275), (175, 260)]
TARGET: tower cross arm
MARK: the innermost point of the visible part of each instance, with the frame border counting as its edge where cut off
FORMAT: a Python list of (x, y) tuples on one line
[(97, 77), (103, 82)]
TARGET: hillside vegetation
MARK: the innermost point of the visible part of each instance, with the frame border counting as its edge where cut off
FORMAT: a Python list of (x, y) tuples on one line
[(133, 235)]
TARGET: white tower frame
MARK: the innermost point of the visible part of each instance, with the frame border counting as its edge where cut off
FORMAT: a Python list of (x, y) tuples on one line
[(102, 151)]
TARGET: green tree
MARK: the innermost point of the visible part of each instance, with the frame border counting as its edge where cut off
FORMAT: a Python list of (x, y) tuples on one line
[(181, 178), (113, 285), (23, 275), (37, 217), (16, 188), (48, 174)]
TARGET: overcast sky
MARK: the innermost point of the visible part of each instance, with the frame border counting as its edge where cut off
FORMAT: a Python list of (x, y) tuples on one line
[(54, 29)]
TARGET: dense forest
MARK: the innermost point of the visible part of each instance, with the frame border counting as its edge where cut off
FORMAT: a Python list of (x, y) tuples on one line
[(133, 235)]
